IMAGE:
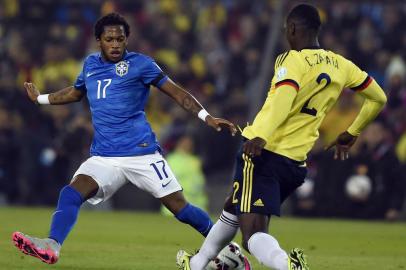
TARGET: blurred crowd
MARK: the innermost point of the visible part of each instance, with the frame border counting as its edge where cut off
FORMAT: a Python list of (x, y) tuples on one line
[(214, 50)]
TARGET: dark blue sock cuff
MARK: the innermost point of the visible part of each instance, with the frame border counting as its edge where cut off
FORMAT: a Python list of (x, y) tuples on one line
[(184, 212), (72, 195), (196, 218)]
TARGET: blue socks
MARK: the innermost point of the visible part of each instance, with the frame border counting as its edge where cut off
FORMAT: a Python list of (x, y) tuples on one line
[(196, 218), (65, 214), (70, 201)]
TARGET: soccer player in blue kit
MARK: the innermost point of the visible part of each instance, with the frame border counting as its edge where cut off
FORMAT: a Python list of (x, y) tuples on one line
[(124, 148)]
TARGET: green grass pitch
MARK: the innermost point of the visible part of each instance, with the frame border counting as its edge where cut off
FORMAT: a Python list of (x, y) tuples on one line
[(129, 241)]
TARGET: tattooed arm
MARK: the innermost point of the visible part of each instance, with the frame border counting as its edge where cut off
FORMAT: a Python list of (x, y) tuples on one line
[(67, 95), (190, 104), (181, 96)]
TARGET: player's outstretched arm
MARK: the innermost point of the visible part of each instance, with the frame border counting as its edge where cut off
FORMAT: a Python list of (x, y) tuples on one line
[(375, 100), (64, 96), (190, 104)]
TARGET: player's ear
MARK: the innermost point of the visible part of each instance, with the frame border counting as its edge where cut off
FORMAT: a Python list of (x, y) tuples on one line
[(291, 28), (98, 40)]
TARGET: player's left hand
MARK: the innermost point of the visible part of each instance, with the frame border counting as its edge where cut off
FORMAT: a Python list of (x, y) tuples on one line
[(32, 91), (342, 145), (218, 123), (254, 146)]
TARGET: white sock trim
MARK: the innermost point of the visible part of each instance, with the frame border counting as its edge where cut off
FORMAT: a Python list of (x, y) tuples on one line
[(229, 219)]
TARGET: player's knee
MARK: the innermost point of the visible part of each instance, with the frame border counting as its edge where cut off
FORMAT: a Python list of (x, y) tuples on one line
[(85, 185), (175, 202), (175, 206)]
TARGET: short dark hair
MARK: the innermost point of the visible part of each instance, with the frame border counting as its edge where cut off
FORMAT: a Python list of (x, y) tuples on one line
[(110, 19), (306, 14)]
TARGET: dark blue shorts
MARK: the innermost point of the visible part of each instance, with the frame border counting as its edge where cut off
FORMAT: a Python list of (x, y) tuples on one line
[(262, 183)]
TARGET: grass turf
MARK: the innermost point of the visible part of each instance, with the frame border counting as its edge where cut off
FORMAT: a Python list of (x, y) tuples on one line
[(127, 241)]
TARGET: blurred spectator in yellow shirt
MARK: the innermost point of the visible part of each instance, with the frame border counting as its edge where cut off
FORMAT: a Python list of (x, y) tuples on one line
[(187, 168)]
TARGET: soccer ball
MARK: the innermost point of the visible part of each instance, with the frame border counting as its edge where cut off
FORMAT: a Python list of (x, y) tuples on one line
[(230, 258), (358, 187)]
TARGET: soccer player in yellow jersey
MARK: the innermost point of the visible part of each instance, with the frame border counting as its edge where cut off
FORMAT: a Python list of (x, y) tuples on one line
[(271, 164)]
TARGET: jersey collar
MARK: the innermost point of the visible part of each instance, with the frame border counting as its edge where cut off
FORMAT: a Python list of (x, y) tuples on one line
[(311, 48)]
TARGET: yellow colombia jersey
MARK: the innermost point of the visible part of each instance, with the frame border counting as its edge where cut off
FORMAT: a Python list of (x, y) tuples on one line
[(318, 76)]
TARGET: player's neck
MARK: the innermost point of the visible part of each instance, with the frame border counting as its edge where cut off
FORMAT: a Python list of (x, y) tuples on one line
[(311, 43), (311, 47), (104, 58)]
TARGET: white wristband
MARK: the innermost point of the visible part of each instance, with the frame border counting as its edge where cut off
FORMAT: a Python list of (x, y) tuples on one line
[(43, 99), (203, 114)]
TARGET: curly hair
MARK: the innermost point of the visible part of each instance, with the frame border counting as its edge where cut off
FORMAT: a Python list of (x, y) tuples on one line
[(306, 14), (110, 19)]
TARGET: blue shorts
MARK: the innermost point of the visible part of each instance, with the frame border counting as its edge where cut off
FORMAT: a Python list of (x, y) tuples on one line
[(262, 183)]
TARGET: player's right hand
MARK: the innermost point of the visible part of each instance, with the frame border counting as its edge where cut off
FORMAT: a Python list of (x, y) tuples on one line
[(342, 145), (32, 91), (218, 123), (254, 147)]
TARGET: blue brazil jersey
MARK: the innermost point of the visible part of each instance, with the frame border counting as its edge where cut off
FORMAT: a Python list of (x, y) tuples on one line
[(117, 93)]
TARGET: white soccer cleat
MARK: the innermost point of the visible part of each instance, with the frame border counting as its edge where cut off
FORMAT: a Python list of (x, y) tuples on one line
[(47, 250)]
